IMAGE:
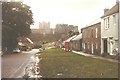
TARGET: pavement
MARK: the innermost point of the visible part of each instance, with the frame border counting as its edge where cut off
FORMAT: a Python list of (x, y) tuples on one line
[(95, 56)]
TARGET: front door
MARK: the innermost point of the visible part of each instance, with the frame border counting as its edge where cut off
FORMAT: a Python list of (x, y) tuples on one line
[(105, 46), (92, 48), (111, 47)]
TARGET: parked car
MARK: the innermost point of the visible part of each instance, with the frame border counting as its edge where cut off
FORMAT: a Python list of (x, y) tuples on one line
[(16, 50), (24, 48)]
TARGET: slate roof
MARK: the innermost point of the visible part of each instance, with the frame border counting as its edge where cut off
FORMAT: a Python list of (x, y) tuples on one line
[(93, 23), (69, 39), (78, 37), (114, 9)]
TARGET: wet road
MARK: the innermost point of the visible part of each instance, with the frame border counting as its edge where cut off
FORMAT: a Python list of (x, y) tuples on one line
[(13, 65)]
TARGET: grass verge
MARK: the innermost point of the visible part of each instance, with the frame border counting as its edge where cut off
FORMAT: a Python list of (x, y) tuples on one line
[(56, 63)]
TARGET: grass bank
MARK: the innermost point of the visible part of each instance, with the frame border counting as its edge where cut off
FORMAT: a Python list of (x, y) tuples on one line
[(56, 63)]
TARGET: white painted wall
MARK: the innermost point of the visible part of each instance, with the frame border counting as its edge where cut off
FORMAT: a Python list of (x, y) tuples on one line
[(112, 31)]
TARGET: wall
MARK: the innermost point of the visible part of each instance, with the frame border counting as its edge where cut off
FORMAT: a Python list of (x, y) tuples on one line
[(92, 39), (111, 34)]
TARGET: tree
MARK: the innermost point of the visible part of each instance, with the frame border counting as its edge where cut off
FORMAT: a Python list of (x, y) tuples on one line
[(17, 18), (8, 41), (71, 33)]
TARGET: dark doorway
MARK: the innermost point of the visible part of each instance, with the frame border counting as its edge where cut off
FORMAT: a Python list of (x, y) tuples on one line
[(80, 44), (105, 45)]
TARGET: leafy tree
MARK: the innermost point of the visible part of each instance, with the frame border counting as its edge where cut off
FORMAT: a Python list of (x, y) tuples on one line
[(17, 18), (8, 41)]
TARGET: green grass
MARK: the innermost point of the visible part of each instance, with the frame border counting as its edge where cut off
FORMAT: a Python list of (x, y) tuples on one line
[(57, 63)]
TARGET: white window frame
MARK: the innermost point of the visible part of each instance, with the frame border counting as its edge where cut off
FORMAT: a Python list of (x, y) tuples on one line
[(84, 45), (92, 48), (114, 19), (96, 32), (106, 22)]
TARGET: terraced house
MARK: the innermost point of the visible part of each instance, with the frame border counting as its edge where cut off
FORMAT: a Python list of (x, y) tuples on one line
[(91, 38), (109, 30)]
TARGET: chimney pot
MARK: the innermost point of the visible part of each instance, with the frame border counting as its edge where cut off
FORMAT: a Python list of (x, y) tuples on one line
[(105, 10), (117, 1)]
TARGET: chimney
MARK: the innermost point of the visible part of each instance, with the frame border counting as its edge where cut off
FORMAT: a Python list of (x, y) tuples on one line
[(117, 1), (105, 10)]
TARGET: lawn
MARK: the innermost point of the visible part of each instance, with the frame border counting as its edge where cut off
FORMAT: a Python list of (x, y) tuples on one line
[(56, 63)]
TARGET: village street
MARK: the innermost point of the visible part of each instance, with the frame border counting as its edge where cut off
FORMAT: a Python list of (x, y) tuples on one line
[(13, 65), (75, 41), (59, 63)]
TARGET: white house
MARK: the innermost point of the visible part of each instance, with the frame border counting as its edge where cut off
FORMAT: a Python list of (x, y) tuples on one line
[(109, 30)]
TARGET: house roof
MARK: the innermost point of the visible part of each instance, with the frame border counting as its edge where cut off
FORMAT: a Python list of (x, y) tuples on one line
[(78, 37), (93, 23), (29, 40), (114, 9), (68, 40), (25, 40)]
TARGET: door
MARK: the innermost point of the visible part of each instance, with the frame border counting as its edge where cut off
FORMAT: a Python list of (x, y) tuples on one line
[(105, 46), (111, 47), (92, 48), (80, 44)]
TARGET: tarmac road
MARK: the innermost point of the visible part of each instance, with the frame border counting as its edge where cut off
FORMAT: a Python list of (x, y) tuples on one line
[(13, 65)]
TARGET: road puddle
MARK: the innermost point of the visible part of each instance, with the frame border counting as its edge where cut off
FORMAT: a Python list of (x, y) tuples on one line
[(32, 70)]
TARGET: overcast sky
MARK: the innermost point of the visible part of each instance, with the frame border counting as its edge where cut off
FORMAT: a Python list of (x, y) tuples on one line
[(73, 12)]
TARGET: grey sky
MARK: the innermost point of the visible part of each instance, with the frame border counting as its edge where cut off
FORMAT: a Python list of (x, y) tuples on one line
[(73, 12)]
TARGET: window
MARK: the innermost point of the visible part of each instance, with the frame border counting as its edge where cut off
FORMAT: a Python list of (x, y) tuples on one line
[(92, 33), (96, 45), (92, 48), (88, 46), (96, 32), (114, 19), (107, 25), (106, 22), (84, 45)]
